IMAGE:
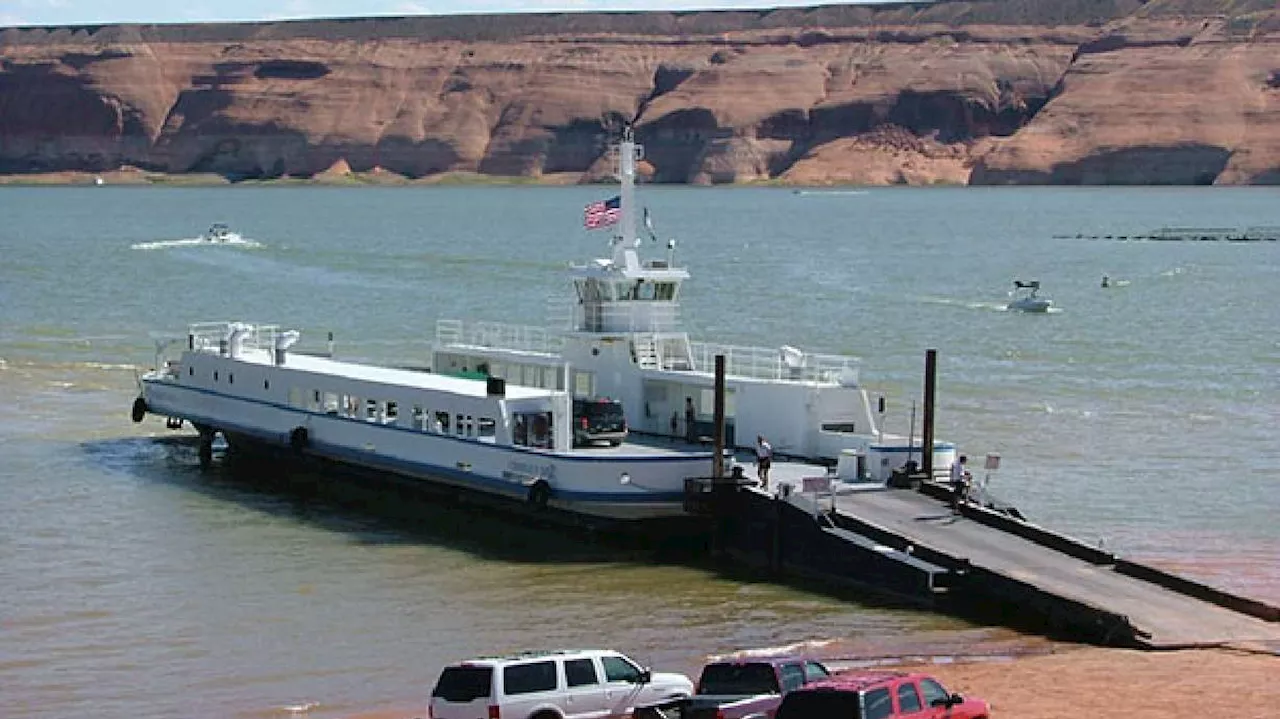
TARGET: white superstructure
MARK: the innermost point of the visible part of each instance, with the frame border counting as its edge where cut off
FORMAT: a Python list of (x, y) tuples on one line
[(621, 338), (244, 382)]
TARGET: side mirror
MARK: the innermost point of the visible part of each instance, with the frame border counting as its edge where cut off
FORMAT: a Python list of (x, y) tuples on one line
[(955, 699), (644, 677)]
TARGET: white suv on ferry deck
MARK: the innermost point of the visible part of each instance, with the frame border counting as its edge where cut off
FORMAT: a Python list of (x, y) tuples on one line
[(588, 683)]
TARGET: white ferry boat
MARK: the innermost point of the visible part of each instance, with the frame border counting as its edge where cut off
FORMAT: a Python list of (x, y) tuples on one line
[(619, 336), (243, 382), (494, 413)]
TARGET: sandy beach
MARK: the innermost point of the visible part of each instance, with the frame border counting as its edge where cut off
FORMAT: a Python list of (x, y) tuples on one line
[(1097, 683)]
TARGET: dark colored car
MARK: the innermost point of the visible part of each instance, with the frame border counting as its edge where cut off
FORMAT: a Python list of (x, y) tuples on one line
[(879, 695), (742, 688), (598, 420)]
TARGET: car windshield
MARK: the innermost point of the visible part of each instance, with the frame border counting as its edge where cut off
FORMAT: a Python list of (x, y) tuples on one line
[(738, 679), (463, 684), (820, 704)]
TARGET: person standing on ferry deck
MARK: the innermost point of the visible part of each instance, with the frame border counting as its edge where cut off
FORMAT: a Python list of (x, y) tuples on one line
[(960, 479), (764, 458), (690, 421)]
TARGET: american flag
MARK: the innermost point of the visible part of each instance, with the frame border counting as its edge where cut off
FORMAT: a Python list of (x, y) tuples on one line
[(602, 213)]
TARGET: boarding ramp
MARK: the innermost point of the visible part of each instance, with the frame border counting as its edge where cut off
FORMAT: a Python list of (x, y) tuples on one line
[(1012, 560)]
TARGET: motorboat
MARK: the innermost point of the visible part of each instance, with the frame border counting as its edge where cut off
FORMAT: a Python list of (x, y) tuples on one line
[(1026, 298), (220, 233)]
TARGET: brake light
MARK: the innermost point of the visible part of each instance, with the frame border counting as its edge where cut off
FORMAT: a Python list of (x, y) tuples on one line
[(493, 712), (719, 714)]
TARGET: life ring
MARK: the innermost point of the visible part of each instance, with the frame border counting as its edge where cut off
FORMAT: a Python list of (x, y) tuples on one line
[(540, 494), (139, 410), (298, 439)]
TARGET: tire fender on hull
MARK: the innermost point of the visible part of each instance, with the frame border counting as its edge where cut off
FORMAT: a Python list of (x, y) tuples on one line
[(539, 494), (298, 439), (139, 410)]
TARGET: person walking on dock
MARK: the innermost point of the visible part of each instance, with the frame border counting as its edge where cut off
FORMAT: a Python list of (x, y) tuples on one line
[(764, 458), (960, 479)]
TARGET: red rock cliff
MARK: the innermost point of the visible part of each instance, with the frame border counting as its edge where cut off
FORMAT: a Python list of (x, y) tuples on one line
[(1015, 91)]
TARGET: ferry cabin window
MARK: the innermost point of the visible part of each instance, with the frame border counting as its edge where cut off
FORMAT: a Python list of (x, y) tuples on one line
[(419, 418), (350, 406), (540, 430), (392, 413), (442, 422), (486, 428), (584, 384), (297, 397), (331, 402), (520, 430)]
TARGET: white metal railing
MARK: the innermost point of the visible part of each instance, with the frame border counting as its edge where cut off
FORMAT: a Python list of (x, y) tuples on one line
[(779, 363), (523, 338), (213, 336), (616, 317)]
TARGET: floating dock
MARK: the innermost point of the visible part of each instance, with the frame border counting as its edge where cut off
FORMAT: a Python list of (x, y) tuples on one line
[(979, 562), (1190, 234)]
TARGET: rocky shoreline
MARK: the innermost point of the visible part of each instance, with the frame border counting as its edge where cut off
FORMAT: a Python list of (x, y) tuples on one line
[(1172, 92)]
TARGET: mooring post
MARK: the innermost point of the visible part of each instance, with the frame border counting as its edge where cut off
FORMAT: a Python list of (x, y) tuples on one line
[(717, 465), (930, 382)]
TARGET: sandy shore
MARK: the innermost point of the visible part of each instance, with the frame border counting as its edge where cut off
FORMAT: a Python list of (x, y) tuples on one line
[(1099, 683)]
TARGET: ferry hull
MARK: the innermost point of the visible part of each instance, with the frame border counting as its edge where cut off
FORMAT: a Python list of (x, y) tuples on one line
[(604, 485)]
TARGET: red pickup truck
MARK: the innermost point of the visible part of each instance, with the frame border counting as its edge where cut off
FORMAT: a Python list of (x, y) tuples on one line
[(748, 688)]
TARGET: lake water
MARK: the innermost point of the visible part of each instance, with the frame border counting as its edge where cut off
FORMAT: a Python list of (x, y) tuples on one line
[(1142, 416)]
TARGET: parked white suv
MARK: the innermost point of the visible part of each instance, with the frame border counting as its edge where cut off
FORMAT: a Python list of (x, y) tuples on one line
[(588, 683)]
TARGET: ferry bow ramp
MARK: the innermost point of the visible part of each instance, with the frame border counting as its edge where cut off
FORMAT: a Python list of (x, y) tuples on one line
[(979, 562)]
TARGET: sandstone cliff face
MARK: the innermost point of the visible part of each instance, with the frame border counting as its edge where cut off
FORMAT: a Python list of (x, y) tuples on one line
[(985, 93)]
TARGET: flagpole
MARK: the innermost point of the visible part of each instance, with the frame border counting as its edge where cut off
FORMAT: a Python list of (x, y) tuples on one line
[(627, 170)]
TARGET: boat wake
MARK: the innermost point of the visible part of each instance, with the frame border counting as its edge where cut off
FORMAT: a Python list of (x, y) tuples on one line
[(196, 242), (829, 192), (966, 304)]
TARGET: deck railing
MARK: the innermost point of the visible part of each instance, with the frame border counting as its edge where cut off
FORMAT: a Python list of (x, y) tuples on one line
[(212, 336), (522, 338), (776, 363)]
